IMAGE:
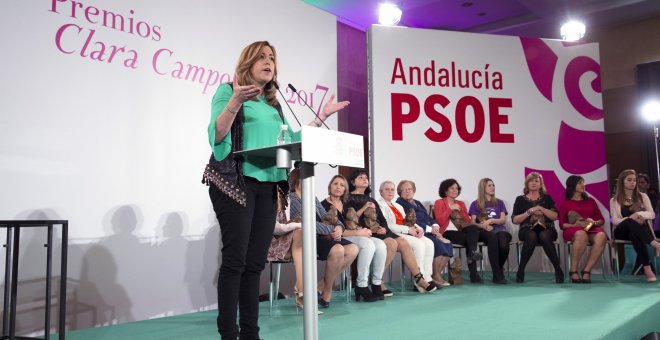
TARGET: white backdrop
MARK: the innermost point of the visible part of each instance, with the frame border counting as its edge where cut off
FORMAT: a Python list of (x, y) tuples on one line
[(117, 145), (532, 104)]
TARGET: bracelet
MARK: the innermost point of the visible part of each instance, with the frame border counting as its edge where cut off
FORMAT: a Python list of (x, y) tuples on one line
[(230, 110)]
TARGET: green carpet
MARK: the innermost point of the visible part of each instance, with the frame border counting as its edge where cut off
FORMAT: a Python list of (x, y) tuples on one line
[(537, 309)]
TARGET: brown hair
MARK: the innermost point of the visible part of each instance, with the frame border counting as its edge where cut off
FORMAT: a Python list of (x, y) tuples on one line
[(529, 178), (247, 59), (620, 194), (344, 197), (294, 179), (481, 194), (399, 188)]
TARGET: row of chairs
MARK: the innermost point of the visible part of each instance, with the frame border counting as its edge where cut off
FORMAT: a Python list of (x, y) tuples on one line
[(346, 285), (345, 279), (613, 252), (274, 285)]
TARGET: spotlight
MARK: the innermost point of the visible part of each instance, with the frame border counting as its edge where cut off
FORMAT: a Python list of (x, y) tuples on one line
[(572, 31), (651, 110), (389, 14)]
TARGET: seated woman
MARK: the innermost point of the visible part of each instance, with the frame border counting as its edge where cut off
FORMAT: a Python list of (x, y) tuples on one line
[(338, 253), (394, 214), (455, 224), (287, 244), (489, 213), (581, 221), (631, 212), (442, 248), (535, 212), (359, 200), (644, 186), (372, 251)]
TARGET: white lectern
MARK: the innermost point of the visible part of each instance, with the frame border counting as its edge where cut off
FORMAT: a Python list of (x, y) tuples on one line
[(317, 145)]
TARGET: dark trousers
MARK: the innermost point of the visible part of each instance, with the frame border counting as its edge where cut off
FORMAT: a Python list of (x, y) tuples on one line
[(498, 250), (640, 236), (544, 237), (467, 237), (246, 235)]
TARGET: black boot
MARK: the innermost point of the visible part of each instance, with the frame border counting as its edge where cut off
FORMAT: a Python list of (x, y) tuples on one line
[(377, 292), (475, 278), (559, 275), (365, 294), (520, 276), (474, 274), (474, 257), (498, 277)]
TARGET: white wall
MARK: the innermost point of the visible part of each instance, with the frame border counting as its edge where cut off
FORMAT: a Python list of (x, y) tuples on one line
[(119, 151)]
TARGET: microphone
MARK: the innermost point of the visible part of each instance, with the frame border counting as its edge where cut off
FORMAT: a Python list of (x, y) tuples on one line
[(286, 102), (304, 102)]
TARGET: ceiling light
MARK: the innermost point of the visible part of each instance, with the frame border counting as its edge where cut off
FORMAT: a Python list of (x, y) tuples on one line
[(389, 14), (572, 31)]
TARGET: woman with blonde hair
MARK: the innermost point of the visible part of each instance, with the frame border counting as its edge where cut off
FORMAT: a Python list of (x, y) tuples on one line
[(372, 251), (535, 212), (631, 212), (489, 213), (246, 115), (331, 247)]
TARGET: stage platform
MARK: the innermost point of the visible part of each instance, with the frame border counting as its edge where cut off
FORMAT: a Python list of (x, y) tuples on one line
[(536, 309)]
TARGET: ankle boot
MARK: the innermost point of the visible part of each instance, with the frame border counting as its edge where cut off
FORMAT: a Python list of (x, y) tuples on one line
[(365, 294), (474, 277), (474, 257), (559, 275), (377, 292)]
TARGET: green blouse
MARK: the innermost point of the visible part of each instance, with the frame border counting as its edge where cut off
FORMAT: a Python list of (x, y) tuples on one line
[(260, 129)]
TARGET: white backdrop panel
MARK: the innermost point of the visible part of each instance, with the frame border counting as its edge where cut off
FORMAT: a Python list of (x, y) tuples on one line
[(117, 146), (549, 117)]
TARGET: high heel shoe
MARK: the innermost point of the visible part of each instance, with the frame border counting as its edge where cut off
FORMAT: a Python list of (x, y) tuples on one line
[(365, 294), (299, 300), (586, 280), (650, 276), (298, 297), (578, 280), (386, 292), (377, 292), (430, 288), (441, 284), (323, 303)]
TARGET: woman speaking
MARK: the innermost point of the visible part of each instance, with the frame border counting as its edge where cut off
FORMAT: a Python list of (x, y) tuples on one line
[(246, 115)]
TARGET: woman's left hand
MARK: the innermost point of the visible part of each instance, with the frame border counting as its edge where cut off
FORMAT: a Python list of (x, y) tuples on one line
[(537, 210), (329, 108), (381, 231), (336, 234)]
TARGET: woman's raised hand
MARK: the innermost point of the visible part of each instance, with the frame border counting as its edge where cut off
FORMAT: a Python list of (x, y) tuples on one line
[(244, 93), (329, 108)]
